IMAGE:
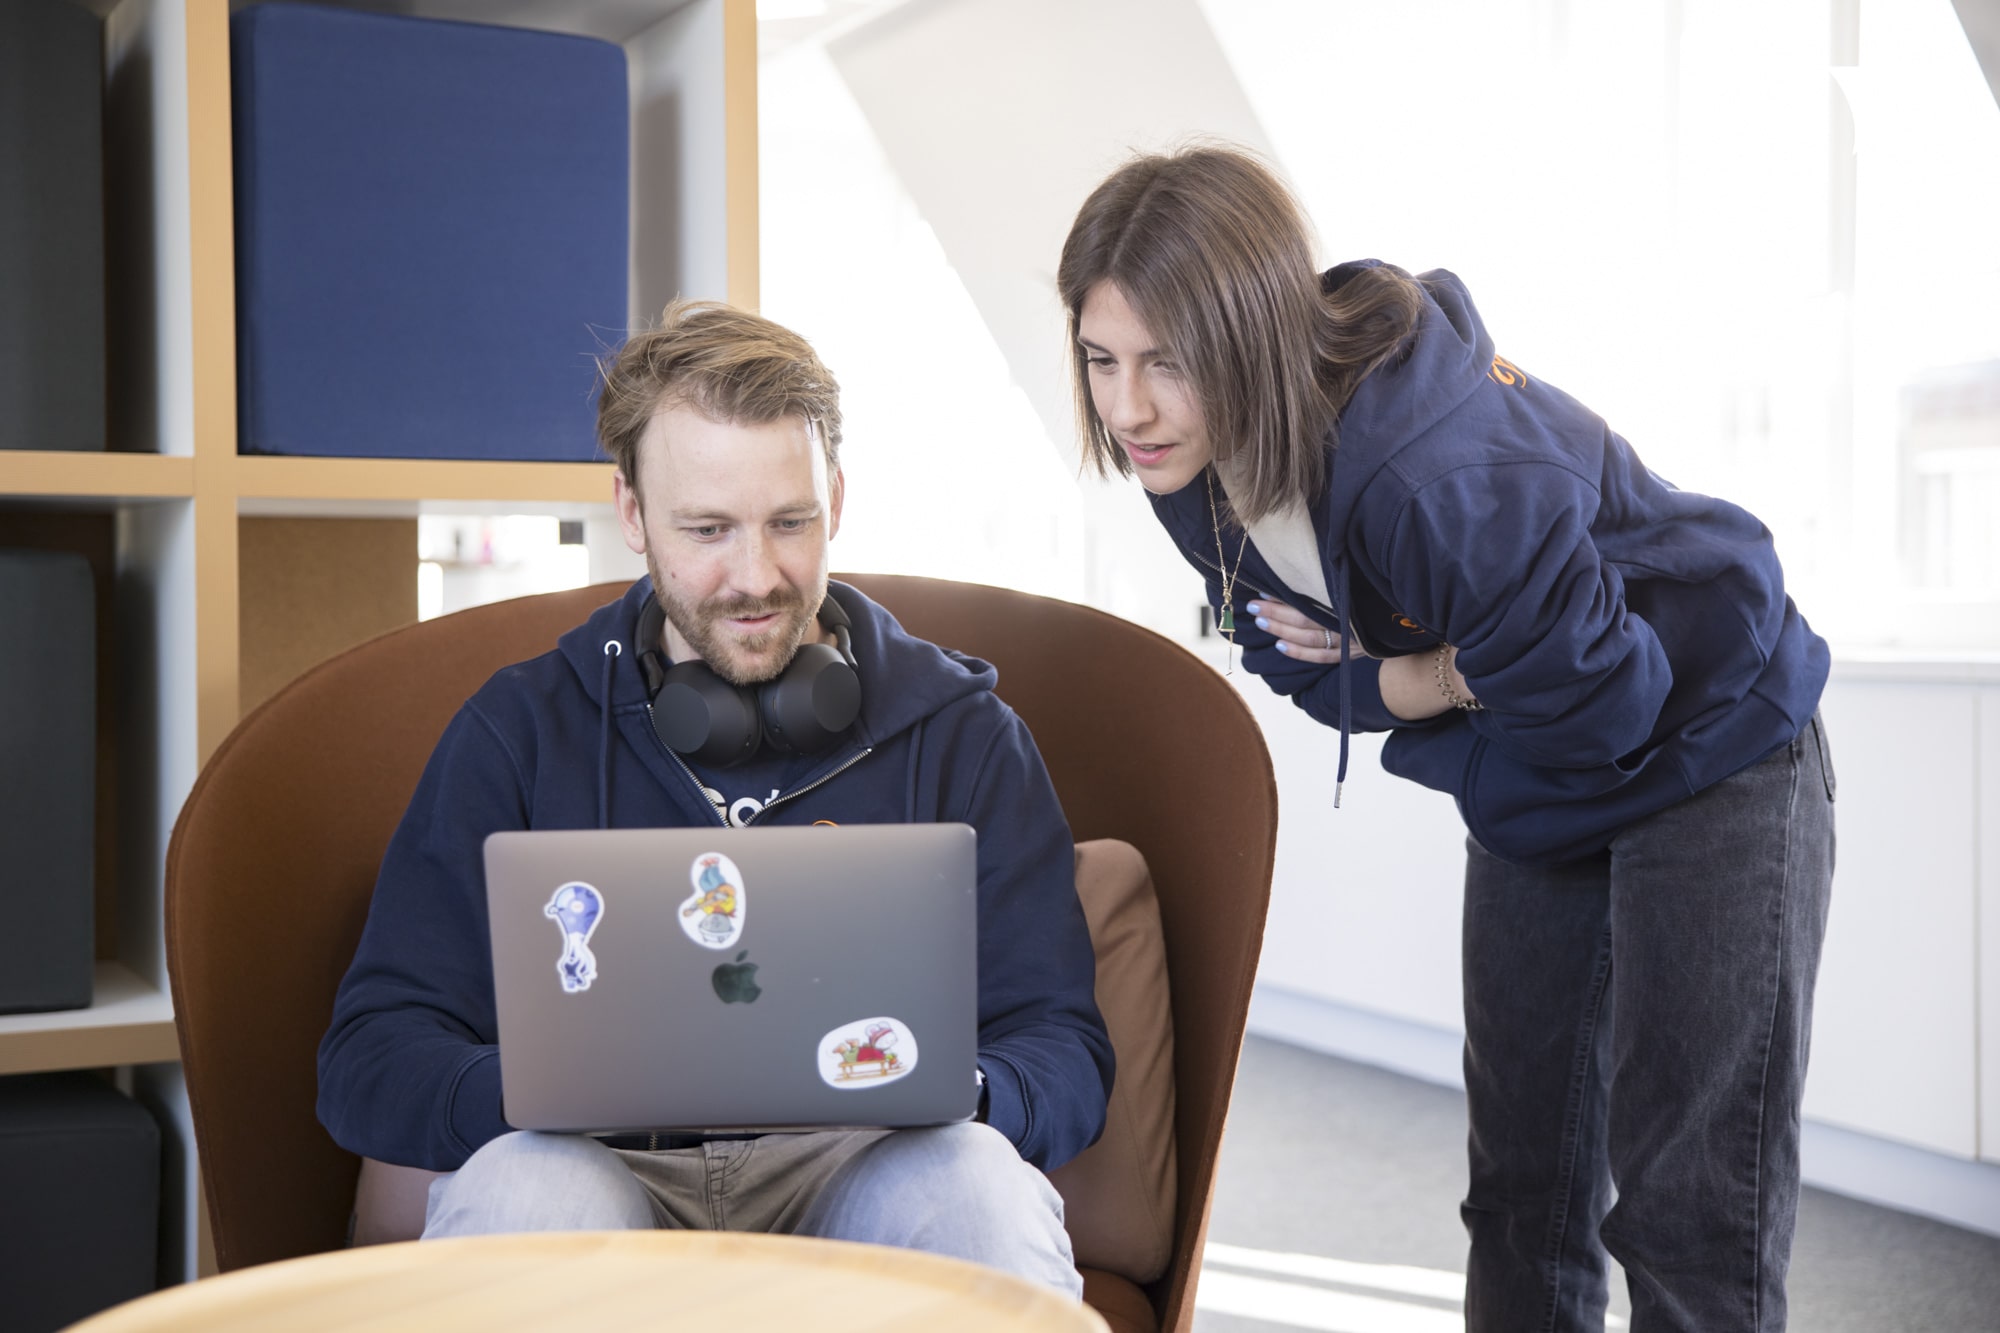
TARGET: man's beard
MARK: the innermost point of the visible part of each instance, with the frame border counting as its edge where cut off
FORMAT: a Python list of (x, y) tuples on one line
[(738, 660)]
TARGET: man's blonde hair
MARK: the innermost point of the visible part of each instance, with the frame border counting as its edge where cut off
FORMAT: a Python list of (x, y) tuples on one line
[(727, 364)]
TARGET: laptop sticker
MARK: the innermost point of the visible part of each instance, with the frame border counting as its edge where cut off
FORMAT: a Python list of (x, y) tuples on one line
[(712, 916), (577, 909), (867, 1053)]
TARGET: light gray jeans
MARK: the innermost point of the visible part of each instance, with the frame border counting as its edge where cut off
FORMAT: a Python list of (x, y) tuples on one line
[(958, 1190)]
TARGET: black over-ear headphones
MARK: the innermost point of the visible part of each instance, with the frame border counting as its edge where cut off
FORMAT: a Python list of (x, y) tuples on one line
[(803, 710)]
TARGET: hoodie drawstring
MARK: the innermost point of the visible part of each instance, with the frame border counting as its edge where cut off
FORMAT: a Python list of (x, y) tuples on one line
[(613, 650), (910, 779), (1346, 697)]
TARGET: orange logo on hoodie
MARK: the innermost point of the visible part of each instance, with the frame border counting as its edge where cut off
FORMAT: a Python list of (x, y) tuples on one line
[(1506, 372)]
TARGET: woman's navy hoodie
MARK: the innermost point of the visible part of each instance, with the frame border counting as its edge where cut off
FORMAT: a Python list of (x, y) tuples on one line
[(1632, 643), (408, 1070)]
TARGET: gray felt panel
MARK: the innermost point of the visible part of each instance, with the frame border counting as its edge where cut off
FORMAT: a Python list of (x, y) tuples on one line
[(51, 226), (48, 751)]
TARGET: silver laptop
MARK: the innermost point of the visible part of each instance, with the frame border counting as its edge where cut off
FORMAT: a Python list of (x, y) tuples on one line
[(720, 980)]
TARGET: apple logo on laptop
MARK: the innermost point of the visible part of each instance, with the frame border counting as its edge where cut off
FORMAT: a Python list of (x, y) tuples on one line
[(736, 982)]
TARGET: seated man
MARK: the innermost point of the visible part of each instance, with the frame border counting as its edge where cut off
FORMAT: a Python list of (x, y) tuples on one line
[(726, 431)]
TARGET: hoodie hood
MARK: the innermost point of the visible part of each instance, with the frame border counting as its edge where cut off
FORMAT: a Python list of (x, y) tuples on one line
[(1403, 399)]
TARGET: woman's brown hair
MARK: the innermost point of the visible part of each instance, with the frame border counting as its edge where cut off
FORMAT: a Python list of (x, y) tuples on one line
[(1214, 255)]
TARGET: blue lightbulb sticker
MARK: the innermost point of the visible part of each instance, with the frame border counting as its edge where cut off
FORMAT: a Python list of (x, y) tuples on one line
[(576, 908)]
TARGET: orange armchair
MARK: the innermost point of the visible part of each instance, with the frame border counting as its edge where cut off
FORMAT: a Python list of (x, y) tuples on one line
[(274, 857)]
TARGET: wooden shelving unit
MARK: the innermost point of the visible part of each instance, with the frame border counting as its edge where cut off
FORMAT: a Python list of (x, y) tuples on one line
[(105, 481), (175, 493), (324, 485)]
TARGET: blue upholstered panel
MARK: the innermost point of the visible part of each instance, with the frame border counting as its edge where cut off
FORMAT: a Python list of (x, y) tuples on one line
[(431, 227)]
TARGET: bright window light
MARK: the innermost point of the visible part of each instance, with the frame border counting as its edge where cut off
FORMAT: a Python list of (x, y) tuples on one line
[(1337, 1295), (470, 561), (773, 10), (1756, 238), (430, 590), (950, 473)]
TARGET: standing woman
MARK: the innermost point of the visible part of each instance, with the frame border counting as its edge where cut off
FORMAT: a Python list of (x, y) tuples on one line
[(1405, 532)]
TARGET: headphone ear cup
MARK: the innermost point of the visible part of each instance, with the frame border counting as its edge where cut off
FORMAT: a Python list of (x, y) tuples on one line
[(699, 714), (812, 703)]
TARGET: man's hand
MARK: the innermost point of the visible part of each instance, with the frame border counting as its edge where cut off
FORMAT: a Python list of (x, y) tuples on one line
[(1298, 636)]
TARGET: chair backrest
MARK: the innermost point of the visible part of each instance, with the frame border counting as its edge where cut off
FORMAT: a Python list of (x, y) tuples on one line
[(274, 858)]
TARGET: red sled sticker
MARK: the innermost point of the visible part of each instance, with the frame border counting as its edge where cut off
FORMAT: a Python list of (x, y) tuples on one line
[(867, 1053)]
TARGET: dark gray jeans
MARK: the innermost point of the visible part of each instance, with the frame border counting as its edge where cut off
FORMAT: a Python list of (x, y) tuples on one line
[(1636, 1029)]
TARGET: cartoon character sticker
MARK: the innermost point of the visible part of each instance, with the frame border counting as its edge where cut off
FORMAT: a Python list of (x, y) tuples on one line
[(712, 916), (867, 1053), (577, 908)]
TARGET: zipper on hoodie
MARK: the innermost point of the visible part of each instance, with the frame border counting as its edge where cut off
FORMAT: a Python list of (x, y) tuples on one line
[(816, 783)]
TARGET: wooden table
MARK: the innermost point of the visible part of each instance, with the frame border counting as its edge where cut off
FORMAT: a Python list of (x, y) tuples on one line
[(604, 1281)]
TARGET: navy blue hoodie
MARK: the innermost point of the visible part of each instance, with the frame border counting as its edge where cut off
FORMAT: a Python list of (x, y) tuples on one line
[(408, 1070), (1632, 643)]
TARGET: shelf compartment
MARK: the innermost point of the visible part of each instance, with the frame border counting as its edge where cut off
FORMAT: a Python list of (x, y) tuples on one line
[(128, 1023), (106, 478)]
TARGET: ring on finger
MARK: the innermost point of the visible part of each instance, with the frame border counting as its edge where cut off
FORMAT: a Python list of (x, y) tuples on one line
[(1327, 635)]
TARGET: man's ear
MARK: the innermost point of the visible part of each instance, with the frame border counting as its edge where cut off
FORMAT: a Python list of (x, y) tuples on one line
[(836, 491), (631, 519)]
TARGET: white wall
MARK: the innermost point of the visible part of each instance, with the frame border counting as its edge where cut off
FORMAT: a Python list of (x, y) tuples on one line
[(1365, 907), (1895, 1046)]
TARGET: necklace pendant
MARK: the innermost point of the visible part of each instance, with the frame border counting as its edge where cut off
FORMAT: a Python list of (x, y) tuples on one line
[(1227, 624)]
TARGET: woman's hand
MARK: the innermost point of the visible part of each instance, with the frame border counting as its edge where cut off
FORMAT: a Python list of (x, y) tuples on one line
[(1409, 684), (1298, 636)]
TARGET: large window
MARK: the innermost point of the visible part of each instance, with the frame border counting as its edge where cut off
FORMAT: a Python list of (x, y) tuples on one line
[(1757, 238)]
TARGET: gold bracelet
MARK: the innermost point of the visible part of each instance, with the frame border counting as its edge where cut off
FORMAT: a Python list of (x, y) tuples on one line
[(1452, 696)]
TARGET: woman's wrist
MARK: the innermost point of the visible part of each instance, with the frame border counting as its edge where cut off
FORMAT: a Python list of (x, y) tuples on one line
[(1425, 685), (1409, 688), (1451, 685)]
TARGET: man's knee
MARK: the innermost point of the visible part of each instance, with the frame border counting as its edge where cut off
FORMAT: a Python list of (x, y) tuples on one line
[(948, 1187), (967, 1162), (960, 1190), (526, 1181)]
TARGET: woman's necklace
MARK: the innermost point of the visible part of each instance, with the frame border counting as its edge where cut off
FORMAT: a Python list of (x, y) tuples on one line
[(1226, 620)]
